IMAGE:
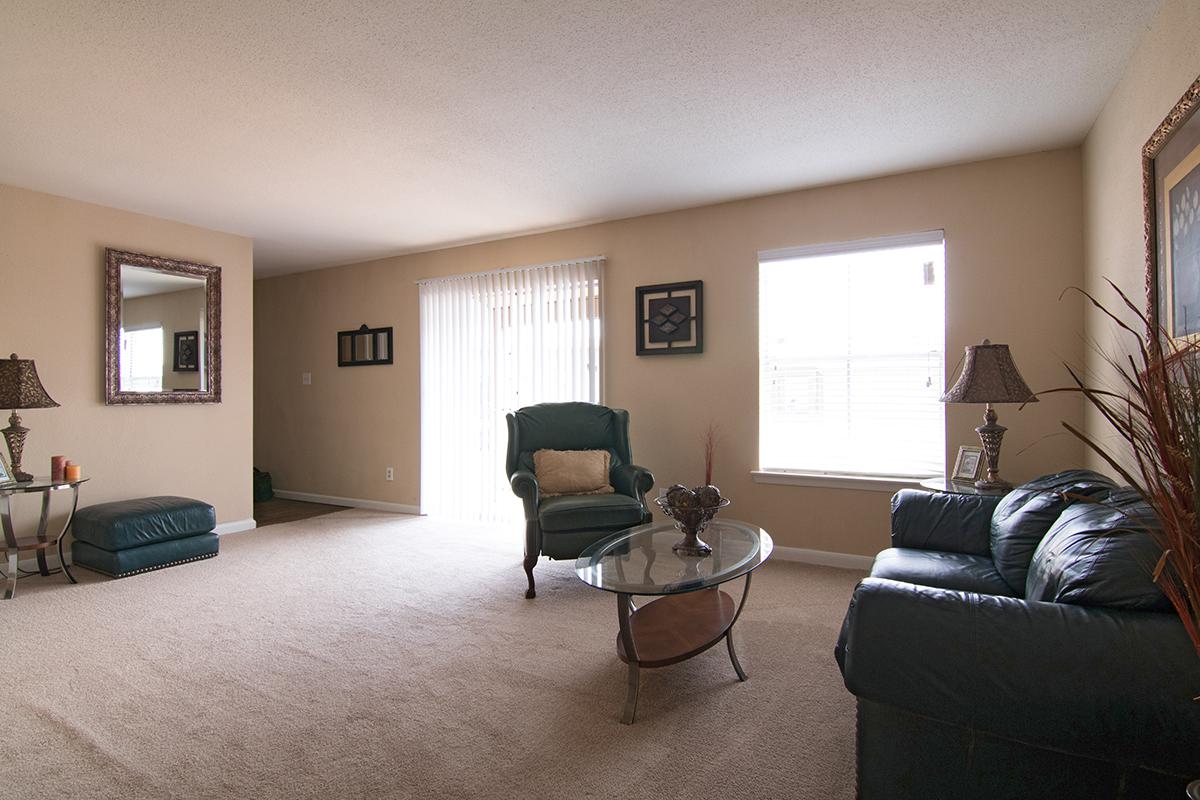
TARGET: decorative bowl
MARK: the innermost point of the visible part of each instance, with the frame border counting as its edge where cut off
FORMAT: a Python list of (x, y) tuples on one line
[(691, 519)]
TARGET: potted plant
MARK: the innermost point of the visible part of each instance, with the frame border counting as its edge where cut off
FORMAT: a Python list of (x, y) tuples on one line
[(1154, 409)]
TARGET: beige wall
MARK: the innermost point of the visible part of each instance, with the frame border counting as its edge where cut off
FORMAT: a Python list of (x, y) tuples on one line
[(174, 311), (1162, 67), (1014, 241), (52, 270)]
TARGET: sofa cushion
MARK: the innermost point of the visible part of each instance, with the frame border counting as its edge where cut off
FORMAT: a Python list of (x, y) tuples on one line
[(942, 570), (1027, 512), (131, 523), (580, 512), (1100, 554)]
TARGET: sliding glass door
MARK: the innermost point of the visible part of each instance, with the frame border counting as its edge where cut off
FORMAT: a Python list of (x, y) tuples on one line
[(491, 343)]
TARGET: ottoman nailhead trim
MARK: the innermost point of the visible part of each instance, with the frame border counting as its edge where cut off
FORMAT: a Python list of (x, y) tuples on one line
[(149, 569)]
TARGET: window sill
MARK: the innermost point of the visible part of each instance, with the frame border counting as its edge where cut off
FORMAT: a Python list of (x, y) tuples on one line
[(818, 480)]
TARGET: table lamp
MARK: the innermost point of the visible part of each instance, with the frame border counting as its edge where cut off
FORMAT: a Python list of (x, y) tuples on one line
[(20, 388), (990, 376)]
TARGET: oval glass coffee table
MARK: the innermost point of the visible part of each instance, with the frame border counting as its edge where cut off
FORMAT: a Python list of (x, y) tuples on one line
[(690, 614)]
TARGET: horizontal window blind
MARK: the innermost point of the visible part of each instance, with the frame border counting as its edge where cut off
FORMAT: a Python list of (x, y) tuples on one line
[(851, 344)]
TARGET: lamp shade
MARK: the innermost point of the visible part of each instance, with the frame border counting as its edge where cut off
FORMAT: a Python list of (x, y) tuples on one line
[(20, 386), (989, 376)]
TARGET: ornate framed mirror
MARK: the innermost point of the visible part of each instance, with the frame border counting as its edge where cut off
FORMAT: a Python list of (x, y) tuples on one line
[(1171, 207), (162, 330)]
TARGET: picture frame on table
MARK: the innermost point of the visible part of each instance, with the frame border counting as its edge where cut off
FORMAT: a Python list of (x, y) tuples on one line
[(1171, 207), (967, 464), (6, 473)]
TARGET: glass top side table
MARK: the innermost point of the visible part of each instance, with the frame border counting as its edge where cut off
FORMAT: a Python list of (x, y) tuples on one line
[(40, 542)]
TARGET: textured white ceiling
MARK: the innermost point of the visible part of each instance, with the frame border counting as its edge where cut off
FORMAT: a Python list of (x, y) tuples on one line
[(337, 131)]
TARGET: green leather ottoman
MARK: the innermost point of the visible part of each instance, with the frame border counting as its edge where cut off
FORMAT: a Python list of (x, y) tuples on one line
[(131, 536)]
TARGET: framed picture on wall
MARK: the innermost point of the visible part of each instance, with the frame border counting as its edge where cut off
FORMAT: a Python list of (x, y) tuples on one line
[(1171, 198), (670, 318), (187, 351), (966, 465)]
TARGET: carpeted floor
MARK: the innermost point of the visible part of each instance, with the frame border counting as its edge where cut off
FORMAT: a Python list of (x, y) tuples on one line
[(363, 654)]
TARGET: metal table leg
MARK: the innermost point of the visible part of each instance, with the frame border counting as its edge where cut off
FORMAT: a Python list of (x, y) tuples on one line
[(737, 666), (10, 541), (10, 587), (66, 526), (43, 521), (624, 606)]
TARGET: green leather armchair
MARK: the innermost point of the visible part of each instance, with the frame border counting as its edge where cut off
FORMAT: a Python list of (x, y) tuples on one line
[(562, 527)]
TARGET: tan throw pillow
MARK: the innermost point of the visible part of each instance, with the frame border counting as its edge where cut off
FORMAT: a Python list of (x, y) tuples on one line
[(562, 472)]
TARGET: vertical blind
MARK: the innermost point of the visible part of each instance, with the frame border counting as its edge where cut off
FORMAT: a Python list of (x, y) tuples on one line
[(491, 343), (851, 346)]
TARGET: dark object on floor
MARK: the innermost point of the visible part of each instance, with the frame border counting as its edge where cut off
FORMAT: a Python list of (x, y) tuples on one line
[(1017, 647), (278, 511), (131, 536), (562, 527), (262, 486)]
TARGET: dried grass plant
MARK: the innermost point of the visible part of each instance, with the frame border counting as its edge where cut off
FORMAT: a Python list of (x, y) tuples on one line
[(709, 440), (1154, 408)]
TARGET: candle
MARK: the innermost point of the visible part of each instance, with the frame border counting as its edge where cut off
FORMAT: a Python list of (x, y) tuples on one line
[(56, 467), (72, 471)]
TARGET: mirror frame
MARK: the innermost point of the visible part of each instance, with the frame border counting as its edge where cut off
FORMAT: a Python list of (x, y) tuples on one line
[(113, 396), (1176, 119)]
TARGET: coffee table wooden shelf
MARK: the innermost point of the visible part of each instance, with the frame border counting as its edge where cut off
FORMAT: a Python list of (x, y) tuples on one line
[(690, 614), (676, 627)]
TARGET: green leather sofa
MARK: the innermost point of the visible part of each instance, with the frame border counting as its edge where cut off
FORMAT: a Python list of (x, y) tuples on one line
[(562, 527)]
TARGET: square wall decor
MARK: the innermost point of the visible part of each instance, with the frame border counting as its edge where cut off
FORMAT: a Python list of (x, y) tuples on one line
[(670, 318)]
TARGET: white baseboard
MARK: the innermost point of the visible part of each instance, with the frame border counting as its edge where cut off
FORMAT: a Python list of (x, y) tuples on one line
[(824, 558), (349, 502), (236, 526)]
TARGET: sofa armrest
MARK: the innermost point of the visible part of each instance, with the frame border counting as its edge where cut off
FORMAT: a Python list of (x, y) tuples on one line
[(632, 480), (956, 523), (1102, 683), (525, 486)]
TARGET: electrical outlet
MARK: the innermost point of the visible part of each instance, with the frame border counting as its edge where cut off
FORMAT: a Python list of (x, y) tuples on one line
[(388, 475), (306, 378)]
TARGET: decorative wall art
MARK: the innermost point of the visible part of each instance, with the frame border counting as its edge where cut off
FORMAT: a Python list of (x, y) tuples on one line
[(364, 347), (187, 351), (670, 318), (1171, 197)]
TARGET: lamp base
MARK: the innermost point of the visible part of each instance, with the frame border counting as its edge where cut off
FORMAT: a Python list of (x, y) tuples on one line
[(991, 434), (14, 437)]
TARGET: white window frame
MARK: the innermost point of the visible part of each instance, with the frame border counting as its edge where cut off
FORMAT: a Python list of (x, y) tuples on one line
[(842, 480)]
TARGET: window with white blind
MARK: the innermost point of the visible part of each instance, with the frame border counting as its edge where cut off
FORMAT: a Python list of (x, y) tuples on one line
[(142, 359), (851, 348)]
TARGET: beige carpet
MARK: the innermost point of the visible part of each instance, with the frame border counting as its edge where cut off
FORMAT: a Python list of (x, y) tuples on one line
[(363, 654)]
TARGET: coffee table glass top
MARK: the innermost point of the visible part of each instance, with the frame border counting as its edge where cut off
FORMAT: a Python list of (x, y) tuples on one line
[(640, 560)]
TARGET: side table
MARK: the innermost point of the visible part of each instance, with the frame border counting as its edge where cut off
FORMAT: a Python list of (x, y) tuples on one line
[(40, 542), (960, 487)]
